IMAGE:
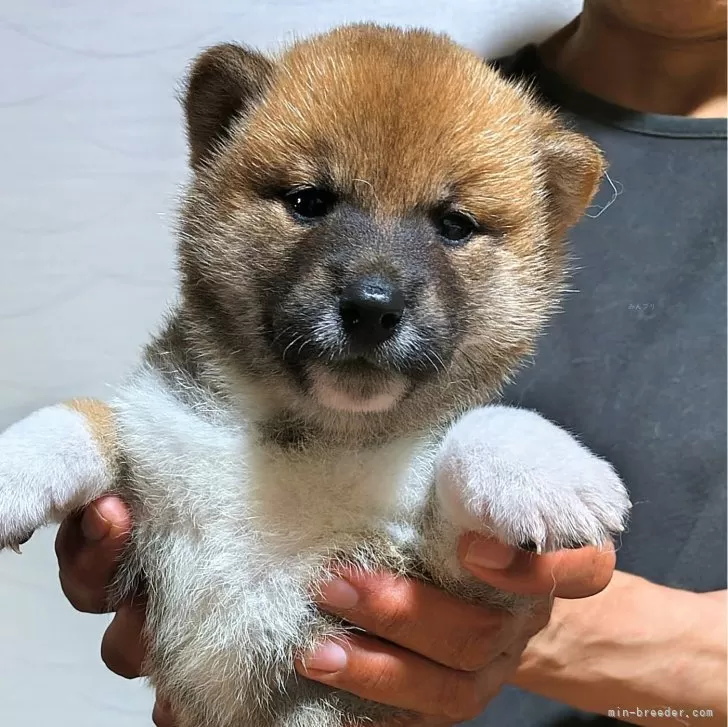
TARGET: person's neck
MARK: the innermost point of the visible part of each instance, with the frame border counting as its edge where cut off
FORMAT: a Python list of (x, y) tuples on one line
[(640, 70)]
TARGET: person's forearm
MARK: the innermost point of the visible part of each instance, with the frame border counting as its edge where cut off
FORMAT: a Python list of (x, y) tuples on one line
[(633, 648)]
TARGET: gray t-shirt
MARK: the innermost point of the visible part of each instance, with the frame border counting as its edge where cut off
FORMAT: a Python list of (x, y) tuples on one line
[(636, 362)]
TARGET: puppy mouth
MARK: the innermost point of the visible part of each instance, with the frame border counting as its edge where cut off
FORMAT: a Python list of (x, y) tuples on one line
[(356, 386), (341, 373)]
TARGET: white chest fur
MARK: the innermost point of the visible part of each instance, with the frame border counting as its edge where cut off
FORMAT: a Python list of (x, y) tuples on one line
[(233, 532), (207, 469)]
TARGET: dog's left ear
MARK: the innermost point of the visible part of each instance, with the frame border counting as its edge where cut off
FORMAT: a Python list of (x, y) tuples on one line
[(573, 167), (225, 82)]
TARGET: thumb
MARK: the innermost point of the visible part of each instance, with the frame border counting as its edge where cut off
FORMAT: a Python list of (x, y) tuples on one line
[(565, 573)]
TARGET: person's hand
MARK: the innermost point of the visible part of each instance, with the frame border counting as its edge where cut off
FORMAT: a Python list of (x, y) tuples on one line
[(428, 652), (424, 650), (88, 547)]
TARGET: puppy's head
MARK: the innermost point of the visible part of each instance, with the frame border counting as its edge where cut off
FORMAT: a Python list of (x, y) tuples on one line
[(376, 219)]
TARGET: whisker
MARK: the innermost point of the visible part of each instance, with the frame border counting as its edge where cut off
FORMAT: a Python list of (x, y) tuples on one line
[(295, 340)]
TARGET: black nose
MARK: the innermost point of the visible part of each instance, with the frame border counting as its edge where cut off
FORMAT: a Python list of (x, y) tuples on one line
[(370, 309)]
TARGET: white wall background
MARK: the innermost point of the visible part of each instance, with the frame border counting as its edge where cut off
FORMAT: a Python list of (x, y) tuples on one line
[(91, 154)]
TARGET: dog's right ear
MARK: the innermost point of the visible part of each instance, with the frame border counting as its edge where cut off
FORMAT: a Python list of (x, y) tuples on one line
[(225, 82)]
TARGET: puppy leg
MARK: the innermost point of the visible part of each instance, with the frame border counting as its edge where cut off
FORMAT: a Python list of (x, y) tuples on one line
[(514, 475), (54, 461)]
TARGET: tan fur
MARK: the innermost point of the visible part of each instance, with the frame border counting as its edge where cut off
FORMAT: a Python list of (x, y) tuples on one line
[(480, 141), (100, 420)]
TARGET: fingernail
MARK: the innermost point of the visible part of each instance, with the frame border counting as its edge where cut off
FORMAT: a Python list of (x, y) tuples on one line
[(339, 594), (327, 658), (489, 554), (94, 525)]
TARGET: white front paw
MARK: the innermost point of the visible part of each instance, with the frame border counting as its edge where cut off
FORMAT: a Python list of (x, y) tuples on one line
[(49, 465), (24, 499), (513, 474), (21, 513)]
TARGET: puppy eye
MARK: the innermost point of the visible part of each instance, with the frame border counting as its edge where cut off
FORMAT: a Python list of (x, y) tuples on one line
[(310, 202), (456, 227)]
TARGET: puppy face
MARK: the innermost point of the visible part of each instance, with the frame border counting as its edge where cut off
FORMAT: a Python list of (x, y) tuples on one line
[(376, 219)]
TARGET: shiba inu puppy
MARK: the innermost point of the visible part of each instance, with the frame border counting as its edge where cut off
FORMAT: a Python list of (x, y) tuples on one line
[(371, 242)]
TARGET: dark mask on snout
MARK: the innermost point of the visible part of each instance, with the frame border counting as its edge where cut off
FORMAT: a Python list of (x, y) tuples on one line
[(362, 296)]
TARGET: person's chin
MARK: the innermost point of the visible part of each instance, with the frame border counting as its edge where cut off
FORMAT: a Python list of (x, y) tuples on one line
[(345, 389)]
